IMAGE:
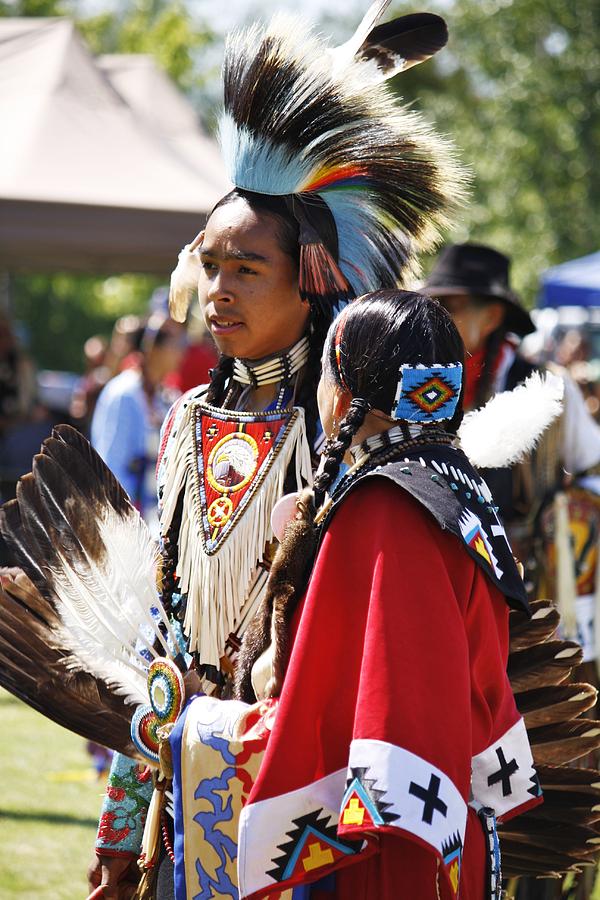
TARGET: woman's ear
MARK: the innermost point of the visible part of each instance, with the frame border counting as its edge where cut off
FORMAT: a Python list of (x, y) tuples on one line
[(341, 403)]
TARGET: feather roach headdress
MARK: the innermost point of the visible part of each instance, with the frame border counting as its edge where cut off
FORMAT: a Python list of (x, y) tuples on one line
[(302, 120)]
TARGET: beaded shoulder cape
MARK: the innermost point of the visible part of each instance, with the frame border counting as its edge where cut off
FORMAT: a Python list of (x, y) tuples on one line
[(442, 479)]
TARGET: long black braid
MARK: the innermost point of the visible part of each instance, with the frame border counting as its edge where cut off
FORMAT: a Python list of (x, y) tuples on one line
[(337, 449), (307, 391), (169, 559), (219, 379)]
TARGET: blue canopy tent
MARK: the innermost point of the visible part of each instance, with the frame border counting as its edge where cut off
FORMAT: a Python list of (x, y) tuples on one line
[(574, 283)]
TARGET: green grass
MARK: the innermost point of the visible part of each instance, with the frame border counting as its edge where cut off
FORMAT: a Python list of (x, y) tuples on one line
[(49, 805)]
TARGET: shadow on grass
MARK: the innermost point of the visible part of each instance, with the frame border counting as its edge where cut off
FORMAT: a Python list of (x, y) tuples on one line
[(48, 817), (8, 699)]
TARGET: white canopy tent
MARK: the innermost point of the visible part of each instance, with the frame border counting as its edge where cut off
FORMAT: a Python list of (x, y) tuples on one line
[(103, 165)]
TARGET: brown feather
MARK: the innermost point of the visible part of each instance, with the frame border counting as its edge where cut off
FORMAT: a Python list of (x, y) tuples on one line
[(543, 664), (533, 857), (526, 632), (569, 778), (558, 703), (37, 673), (517, 867), (404, 42), (564, 742)]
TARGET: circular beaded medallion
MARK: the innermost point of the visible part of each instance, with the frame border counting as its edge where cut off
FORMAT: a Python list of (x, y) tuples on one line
[(143, 732), (166, 690)]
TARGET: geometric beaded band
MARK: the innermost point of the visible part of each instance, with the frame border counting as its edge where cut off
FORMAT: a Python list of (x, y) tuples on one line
[(388, 438), (395, 441), (273, 370), (428, 394)]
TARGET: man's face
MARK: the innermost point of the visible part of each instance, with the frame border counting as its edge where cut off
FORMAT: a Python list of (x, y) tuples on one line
[(248, 288), (475, 318)]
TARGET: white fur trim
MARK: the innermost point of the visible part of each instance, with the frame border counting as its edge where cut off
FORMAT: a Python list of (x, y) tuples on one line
[(283, 513)]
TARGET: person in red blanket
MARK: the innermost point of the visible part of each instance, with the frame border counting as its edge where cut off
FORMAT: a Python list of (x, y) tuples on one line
[(375, 740)]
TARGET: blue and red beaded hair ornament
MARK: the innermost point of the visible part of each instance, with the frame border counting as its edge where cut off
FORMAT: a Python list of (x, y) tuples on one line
[(427, 394), (424, 395)]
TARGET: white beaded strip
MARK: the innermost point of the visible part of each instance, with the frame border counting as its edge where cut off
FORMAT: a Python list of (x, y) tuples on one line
[(389, 438), (274, 369)]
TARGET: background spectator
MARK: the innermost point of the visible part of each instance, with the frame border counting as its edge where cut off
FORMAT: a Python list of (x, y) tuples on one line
[(131, 408)]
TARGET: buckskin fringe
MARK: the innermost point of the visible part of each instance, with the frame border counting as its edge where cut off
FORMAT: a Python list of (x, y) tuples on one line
[(217, 585)]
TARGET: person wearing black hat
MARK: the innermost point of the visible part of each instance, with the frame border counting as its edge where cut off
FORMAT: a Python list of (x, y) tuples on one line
[(472, 282), (552, 518)]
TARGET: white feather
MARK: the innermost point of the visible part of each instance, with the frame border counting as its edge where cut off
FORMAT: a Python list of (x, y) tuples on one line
[(343, 55), (509, 426), (184, 282), (109, 610)]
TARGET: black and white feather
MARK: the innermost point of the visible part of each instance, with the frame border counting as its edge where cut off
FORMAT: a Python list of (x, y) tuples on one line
[(74, 533), (392, 47)]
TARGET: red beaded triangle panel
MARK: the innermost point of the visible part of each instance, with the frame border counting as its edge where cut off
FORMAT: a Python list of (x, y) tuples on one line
[(234, 451)]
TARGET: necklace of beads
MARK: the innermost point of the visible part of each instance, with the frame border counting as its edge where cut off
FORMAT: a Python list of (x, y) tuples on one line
[(270, 371), (389, 446)]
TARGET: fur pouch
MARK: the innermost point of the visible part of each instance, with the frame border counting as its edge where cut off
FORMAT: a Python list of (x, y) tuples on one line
[(286, 585)]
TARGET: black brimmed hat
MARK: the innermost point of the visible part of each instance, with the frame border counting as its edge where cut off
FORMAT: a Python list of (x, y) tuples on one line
[(483, 272)]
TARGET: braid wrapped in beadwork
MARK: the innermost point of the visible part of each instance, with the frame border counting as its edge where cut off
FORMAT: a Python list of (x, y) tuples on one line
[(337, 449), (219, 379)]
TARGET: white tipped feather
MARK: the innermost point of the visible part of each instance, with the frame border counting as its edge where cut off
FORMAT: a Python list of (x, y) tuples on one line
[(343, 55), (509, 426), (184, 282), (110, 610)]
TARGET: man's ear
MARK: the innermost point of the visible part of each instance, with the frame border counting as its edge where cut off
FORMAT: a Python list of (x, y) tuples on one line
[(493, 316)]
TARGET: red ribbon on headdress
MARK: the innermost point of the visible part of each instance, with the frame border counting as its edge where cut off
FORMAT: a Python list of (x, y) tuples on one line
[(321, 281)]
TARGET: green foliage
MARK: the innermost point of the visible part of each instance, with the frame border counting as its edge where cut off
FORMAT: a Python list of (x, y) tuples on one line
[(166, 31), (518, 89), (59, 312), (34, 8)]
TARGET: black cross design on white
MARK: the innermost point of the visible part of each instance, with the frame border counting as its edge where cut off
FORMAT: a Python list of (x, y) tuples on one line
[(430, 798), (504, 772)]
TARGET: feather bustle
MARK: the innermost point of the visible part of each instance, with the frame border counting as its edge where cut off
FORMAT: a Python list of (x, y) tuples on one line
[(560, 835), (35, 672), (91, 557)]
